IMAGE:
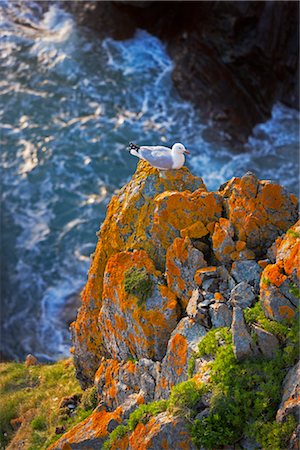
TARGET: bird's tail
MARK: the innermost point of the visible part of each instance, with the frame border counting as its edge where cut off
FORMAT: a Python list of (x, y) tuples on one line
[(133, 147)]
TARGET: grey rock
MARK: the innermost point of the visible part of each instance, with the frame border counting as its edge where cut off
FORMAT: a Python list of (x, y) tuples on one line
[(242, 295), (248, 271), (182, 345), (295, 439), (290, 403), (205, 303), (202, 414), (112, 424), (266, 342), (220, 315), (272, 252), (130, 404), (243, 345)]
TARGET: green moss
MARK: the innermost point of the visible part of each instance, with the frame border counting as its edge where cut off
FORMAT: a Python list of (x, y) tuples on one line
[(191, 365), (39, 389), (294, 290), (265, 281), (294, 234), (39, 423), (89, 399), (141, 415), (144, 412), (117, 433), (138, 282)]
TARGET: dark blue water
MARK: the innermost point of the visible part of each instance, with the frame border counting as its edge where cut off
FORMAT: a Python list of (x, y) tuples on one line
[(70, 103)]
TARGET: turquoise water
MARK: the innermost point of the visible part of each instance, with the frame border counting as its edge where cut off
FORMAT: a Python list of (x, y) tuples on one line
[(70, 103)]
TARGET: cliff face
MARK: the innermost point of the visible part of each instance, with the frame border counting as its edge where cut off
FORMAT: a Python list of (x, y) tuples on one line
[(173, 261), (233, 60)]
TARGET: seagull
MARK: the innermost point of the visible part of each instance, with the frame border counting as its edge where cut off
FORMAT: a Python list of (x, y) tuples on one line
[(162, 158)]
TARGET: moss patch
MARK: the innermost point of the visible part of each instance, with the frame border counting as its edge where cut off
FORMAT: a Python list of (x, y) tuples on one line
[(294, 234), (137, 282), (33, 395)]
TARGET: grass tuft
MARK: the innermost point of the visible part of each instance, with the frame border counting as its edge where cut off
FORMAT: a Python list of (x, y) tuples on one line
[(138, 283)]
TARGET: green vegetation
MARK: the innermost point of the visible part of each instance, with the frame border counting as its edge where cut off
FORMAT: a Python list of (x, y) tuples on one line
[(33, 394), (184, 398), (256, 315), (245, 395), (144, 412), (294, 290), (265, 281), (89, 399), (293, 233), (138, 282), (141, 415)]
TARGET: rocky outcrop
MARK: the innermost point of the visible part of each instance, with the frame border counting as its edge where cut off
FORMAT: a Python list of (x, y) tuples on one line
[(173, 261), (91, 433), (135, 219), (279, 286), (161, 431)]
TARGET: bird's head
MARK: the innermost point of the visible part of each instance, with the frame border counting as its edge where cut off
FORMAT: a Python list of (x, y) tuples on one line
[(180, 148)]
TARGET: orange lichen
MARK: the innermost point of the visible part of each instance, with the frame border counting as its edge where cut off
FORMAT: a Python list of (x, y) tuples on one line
[(195, 231), (146, 327), (240, 245), (274, 274), (178, 353), (218, 297), (94, 426), (263, 263), (286, 312)]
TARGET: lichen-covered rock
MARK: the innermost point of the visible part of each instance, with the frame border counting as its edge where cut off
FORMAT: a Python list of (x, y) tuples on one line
[(161, 432), (133, 326), (182, 261), (129, 225), (279, 286), (116, 381), (290, 402), (168, 220), (222, 238), (258, 210), (182, 344), (91, 432)]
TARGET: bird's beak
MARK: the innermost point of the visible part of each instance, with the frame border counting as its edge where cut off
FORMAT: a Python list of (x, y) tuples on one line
[(186, 151)]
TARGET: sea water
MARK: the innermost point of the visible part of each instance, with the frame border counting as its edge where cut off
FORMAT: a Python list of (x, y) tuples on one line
[(70, 103)]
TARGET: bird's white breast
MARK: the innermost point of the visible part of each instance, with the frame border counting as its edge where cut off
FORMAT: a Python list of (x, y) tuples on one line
[(178, 160)]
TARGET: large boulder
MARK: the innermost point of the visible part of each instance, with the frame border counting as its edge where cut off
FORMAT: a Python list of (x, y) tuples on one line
[(91, 433), (128, 225), (258, 210), (279, 286)]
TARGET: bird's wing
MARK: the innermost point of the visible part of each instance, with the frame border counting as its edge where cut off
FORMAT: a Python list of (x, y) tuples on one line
[(160, 157)]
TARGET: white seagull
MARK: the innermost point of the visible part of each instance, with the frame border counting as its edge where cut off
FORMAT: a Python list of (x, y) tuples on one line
[(163, 158)]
